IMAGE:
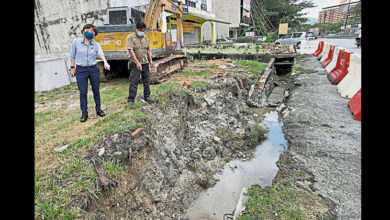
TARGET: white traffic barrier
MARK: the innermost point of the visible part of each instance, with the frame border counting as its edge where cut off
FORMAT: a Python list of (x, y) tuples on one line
[(351, 83), (333, 63), (324, 52), (308, 47)]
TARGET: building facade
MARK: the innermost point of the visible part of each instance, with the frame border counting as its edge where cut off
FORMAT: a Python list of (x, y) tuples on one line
[(334, 14)]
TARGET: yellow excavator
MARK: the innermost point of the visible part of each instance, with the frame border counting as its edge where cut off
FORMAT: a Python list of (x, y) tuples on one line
[(167, 55)]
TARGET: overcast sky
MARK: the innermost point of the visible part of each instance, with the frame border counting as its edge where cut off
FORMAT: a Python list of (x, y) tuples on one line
[(313, 12)]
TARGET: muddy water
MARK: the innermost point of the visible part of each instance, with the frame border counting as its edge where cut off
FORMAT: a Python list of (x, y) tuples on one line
[(223, 197)]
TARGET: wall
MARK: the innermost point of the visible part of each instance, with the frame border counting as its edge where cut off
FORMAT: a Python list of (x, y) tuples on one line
[(57, 23), (227, 10)]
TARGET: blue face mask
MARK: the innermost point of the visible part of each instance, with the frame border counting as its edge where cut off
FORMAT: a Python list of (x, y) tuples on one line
[(140, 33), (88, 35)]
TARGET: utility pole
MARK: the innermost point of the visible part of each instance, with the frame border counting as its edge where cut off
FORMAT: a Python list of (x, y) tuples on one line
[(346, 19), (323, 25)]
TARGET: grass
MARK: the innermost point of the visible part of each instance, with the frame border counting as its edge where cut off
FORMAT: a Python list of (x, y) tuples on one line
[(60, 176), (199, 73), (273, 202), (253, 49), (251, 66)]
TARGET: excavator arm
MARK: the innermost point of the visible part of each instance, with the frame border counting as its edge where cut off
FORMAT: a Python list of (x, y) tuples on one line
[(153, 13)]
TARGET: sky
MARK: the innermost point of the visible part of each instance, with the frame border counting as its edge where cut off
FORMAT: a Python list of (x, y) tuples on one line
[(313, 12)]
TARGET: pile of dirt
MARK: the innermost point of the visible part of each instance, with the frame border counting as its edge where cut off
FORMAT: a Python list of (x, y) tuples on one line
[(175, 156)]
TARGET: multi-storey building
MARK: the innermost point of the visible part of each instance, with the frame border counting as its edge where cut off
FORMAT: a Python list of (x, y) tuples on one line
[(335, 13)]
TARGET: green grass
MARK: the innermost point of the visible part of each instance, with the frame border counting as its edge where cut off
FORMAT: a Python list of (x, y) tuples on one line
[(199, 84), (210, 66), (252, 66), (253, 49), (199, 73), (265, 202)]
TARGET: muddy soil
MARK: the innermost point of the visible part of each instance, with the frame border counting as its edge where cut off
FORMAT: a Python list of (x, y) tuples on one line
[(185, 142)]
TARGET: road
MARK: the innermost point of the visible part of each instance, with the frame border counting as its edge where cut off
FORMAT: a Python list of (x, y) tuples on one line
[(348, 44), (323, 136)]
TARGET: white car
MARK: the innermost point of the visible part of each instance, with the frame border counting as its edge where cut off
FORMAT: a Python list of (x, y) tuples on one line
[(295, 38)]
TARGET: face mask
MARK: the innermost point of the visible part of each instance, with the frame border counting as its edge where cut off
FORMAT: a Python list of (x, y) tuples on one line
[(140, 33), (88, 35)]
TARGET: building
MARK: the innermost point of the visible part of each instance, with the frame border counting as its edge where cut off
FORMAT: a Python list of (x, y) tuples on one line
[(237, 13), (335, 13)]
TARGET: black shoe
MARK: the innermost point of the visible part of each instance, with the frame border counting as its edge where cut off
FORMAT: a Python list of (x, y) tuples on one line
[(101, 113), (130, 102), (148, 99), (83, 118)]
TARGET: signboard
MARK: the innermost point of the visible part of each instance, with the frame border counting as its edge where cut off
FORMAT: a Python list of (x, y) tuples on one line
[(246, 4), (344, 10), (185, 9), (283, 28), (188, 27)]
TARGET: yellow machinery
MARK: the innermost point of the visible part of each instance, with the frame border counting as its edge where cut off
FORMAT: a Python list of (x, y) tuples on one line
[(167, 58)]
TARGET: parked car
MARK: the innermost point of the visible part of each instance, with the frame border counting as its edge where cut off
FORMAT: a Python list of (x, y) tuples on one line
[(295, 38), (223, 40)]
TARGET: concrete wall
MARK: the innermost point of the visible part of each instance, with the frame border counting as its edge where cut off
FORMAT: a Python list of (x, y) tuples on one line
[(227, 10), (57, 22)]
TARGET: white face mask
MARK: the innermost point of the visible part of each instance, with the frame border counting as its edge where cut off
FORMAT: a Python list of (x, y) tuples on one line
[(140, 33)]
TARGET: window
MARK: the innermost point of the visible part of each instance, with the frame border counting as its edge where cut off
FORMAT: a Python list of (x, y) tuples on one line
[(118, 17), (203, 7), (296, 35), (310, 34), (191, 3), (286, 36)]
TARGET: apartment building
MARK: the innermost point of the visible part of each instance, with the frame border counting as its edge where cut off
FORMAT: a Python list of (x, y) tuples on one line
[(335, 13)]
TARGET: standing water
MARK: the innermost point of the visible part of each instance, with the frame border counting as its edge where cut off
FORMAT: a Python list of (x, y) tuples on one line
[(222, 199)]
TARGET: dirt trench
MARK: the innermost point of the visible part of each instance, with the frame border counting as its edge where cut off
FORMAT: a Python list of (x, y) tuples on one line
[(185, 142)]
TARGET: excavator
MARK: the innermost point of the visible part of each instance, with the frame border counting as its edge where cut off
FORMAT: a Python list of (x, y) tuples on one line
[(167, 55)]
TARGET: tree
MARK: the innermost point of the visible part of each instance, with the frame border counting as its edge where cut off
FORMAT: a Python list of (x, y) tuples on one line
[(273, 12), (356, 13)]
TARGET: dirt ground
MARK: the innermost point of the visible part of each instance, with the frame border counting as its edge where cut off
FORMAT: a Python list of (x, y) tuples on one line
[(186, 142), (196, 131)]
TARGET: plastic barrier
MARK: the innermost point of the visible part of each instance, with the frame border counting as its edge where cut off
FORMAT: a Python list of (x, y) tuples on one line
[(341, 69), (324, 52), (329, 57), (332, 63), (308, 47), (319, 49), (355, 105), (351, 83)]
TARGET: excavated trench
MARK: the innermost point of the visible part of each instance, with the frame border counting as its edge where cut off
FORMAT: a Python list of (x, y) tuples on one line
[(184, 144)]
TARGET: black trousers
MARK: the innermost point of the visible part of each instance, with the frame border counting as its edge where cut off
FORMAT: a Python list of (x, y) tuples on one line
[(134, 78)]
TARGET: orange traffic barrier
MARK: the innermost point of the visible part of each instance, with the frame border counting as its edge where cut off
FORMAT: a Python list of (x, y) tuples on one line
[(341, 68), (355, 105), (330, 56), (319, 49)]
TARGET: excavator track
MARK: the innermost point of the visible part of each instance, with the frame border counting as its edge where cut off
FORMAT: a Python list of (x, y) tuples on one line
[(166, 66)]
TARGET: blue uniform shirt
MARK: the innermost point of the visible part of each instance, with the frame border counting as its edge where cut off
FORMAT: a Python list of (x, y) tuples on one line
[(83, 54)]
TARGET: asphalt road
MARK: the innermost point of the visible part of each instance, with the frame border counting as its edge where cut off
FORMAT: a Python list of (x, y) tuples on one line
[(348, 44), (322, 133)]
